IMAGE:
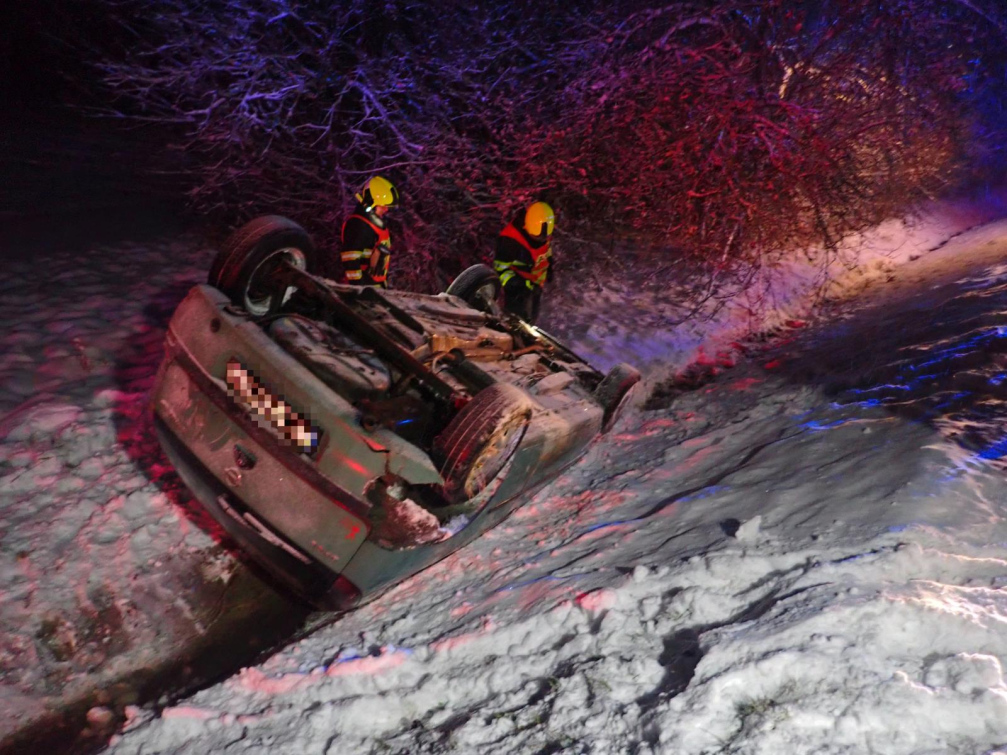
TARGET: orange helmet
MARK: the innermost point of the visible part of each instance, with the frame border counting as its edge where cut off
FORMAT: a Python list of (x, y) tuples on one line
[(539, 219)]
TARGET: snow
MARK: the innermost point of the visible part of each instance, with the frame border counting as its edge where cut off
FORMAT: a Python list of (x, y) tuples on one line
[(626, 318), (99, 561), (758, 566)]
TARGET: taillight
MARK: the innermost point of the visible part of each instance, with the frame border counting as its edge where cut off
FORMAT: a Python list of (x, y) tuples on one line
[(249, 391)]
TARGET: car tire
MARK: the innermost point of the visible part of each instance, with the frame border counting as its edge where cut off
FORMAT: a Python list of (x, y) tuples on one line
[(615, 391), (479, 287), (241, 268), (475, 448)]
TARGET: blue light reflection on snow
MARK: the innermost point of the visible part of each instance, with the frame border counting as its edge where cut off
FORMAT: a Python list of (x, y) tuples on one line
[(349, 654), (866, 403), (922, 382), (951, 401), (995, 450), (814, 425)]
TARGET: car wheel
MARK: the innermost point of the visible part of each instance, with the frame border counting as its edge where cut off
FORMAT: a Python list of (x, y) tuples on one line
[(615, 391), (476, 446), (243, 268), (479, 287)]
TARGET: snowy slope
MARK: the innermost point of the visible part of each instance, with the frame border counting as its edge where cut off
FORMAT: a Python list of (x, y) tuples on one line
[(755, 567), (107, 573), (760, 567), (826, 624), (622, 317)]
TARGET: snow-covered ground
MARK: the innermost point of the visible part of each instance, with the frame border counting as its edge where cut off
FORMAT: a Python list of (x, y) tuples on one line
[(757, 566), (108, 576)]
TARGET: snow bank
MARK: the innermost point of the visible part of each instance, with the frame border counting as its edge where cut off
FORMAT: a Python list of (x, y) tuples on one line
[(754, 569), (615, 321), (841, 656), (106, 572)]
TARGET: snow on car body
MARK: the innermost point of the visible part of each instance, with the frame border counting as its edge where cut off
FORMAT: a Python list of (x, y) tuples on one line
[(348, 437)]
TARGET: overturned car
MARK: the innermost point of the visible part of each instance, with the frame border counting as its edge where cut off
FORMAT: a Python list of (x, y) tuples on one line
[(347, 437)]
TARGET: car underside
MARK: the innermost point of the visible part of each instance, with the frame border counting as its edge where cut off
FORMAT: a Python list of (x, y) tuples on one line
[(349, 436)]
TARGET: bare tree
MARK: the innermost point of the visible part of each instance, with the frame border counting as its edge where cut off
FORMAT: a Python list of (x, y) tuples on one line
[(731, 132), (742, 131)]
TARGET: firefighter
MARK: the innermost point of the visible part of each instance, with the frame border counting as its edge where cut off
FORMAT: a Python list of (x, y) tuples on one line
[(366, 248), (522, 260)]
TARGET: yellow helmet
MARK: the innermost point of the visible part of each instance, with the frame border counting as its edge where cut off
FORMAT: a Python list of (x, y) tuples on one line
[(378, 192), (539, 219)]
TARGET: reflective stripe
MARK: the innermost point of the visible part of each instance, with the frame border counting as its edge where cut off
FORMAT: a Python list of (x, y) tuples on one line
[(354, 275), (507, 265), (350, 256), (508, 274)]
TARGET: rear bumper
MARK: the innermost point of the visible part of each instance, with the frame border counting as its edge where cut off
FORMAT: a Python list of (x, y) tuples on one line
[(282, 559)]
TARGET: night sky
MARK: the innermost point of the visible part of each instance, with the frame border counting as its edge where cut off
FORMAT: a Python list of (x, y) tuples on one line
[(33, 57), (66, 177)]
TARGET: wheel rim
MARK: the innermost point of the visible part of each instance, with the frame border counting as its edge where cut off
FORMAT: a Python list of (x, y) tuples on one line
[(258, 293), (486, 295)]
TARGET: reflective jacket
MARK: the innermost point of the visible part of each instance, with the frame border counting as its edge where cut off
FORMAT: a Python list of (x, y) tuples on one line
[(517, 256), (363, 241)]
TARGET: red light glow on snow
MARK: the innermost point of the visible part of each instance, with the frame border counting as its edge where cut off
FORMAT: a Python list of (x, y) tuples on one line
[(596, 600), (648, 429), (447, 644), (369, 664), (744, 384)]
